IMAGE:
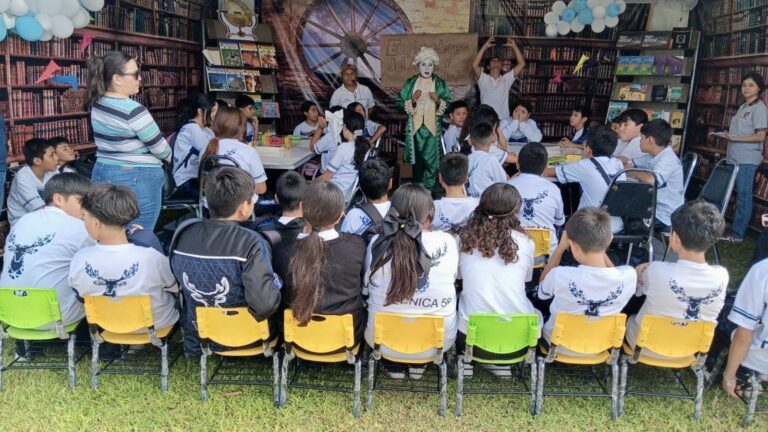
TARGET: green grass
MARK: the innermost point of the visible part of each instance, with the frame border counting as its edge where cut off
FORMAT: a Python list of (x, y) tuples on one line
[(41, 401)]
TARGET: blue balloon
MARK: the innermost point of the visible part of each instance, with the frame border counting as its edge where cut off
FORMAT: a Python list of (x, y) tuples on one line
[(613, 10), (586, 17), (580, 5), (3, 30), (28, 28), (569, 14)]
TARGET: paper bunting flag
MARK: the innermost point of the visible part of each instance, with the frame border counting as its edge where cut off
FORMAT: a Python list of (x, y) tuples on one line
[(71, 80), (580, 64), (553, 54), (557, 78), (48, 72), (85, 41)]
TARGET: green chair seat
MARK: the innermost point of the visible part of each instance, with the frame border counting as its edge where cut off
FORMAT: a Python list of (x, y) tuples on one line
[(506, 336)]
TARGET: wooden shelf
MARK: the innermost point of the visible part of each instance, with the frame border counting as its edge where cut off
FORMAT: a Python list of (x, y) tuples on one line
[(39, 86), (756, 27), (711, 150), (650, 102), (51, 116), (162, 85), (43, 57)]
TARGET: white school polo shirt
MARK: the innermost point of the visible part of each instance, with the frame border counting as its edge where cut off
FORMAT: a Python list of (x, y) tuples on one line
[(495, 92), (669, 182)]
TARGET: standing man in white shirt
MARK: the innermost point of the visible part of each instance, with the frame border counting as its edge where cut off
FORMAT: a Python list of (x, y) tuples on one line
[(494, 87), (350, 90)]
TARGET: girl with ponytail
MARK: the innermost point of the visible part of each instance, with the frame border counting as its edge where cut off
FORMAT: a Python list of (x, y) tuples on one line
[(325, 272), (130, 148), (412, 270), (191, 140), (350, 155)]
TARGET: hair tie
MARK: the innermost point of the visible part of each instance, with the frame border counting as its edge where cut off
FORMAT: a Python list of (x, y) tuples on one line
[(491, 215), (358, 133), (315, 229)]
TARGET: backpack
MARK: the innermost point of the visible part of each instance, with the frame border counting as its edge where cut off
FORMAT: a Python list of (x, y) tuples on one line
[(378, 220)]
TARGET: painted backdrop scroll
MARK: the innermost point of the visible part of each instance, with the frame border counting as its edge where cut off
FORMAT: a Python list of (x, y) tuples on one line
[(456, 51)]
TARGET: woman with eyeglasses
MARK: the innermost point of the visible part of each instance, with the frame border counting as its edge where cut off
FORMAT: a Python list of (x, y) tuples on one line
[(130, 148)]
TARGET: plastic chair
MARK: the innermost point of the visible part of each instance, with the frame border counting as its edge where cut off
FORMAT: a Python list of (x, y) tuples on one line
[(22, 311), (542, 240), (596, 339), (510, 339), (684, 344), (632, 199), (236, 330), (750, 398), (324, 339), (125, 320), (718, 189), (408, 335)]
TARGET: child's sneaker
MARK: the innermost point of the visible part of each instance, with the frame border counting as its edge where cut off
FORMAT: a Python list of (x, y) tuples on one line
[(500, 371)]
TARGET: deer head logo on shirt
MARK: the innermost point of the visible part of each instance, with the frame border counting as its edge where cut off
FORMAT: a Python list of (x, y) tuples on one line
[(215, 298), (528, 212), (111, 285), (16, 266), (693, 309), (593, 306)]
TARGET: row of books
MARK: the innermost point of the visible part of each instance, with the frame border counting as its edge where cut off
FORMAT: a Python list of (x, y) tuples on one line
[(751, 42), (68, 48), (545, 85), (132, 50), (713, 94), (710, 114), (239, 80), (556, 103), (737, 73), (679, 39), (24, 74), (713, 76), (242, 54), (561, 53), (675, 118), (750, 18), (165, 56), (75, 130), (555, 129), (105, 17), (761, 185), (739, 5), (166, 120), (162, 77), (99, 48), (715, 8), (653, 65), (549, 70), (162, 97), (717, 46), (137, 20), (35, 104), (650, 93)]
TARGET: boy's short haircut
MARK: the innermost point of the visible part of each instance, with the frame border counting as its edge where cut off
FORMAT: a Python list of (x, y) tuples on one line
[(56, 141), (532, 158), (307, 105), (602, 141), (289, 189), (454, 168), (36, 148), (583, 110), (590, 228), (638, 116), (243, 101), (456, 105), (523, 103), (374, 178), (112, 205), (226, 188), (659, 130), (481, 134), (614, 121), (66, 184), (698, 224)]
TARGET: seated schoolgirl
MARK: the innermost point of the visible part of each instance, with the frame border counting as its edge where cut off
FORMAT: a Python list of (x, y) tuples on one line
[(342, 168), (191, 140), (373, 131)]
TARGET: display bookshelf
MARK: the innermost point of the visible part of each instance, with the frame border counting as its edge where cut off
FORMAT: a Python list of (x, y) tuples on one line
[(656, 72), (734, 43), (551, 102)]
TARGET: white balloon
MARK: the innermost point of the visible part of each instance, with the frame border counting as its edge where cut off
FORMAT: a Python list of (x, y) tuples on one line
[(550, 18), (32, 5), (598, 11), (49, 7), (558, 7), (10, 21), (4, 5), (19, 7), (70, 8), (62, 27), (44, 21), (551, 30), (563, 27), (598, 25), (576, 26), (93, 5), (622, 5), (592, 3), (606, 2), (611, 22), (81, 19), (46, 36)]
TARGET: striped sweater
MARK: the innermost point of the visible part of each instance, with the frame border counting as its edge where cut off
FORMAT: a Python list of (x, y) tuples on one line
[(126, 134)]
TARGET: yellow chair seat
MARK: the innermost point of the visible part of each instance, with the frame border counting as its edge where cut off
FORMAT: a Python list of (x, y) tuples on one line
[(431, 359), (593, 359), (246, 352), (323, 358), (673, 363), (133, 339)]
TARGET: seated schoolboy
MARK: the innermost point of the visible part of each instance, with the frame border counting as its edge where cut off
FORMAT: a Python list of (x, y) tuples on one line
[(375, 182), (748, 351), (593, 173), (594, 288), (326, 268), (453, 210), (689, 289), (373, 131), (457, 112), (630, 123), (41, 244), (342, 168), (245, 104), (326, 142), (116, 268), (26, 193), (64, 154), (542, 204), (314, 124), (486, 114), (578, 121), (520, 128), (484, 168), (662, 160), (220, 263)]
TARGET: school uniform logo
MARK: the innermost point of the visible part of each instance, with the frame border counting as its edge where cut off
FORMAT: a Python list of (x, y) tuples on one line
[(434, 262), (215, 298), (593, 306), (111, 284), (16, 266), (529, 212), (693, 309)]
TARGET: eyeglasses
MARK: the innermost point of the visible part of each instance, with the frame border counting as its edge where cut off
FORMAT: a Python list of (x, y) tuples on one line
[(135, 75)]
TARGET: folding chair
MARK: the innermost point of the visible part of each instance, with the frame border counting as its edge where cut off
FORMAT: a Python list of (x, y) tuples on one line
[(684, 344), (22, 311), (542, 240), (689, 161), (632, 199), (596, 340), (234, 333), (718, 188), (207, 165), (750, 398), (408, 335), (324, 339), (500, 339), (125, 320)]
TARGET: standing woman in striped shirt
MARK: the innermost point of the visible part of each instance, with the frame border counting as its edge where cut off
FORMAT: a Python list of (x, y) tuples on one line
[(130, 148)]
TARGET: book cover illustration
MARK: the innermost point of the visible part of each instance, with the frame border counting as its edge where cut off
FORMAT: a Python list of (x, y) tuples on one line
[(675, 94), (677, 119), (217, 79), (615, 108), (659, 93), (250, 53), (646, 65), (235, 80), (268, 56), (230, 54), (252, 81), (270, 109), (622, 92), (637, 92)]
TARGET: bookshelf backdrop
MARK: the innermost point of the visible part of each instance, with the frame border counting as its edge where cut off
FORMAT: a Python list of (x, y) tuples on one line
[(734, 43)]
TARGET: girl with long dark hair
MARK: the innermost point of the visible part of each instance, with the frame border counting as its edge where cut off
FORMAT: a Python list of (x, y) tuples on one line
[(342, 169), (191, 140)]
